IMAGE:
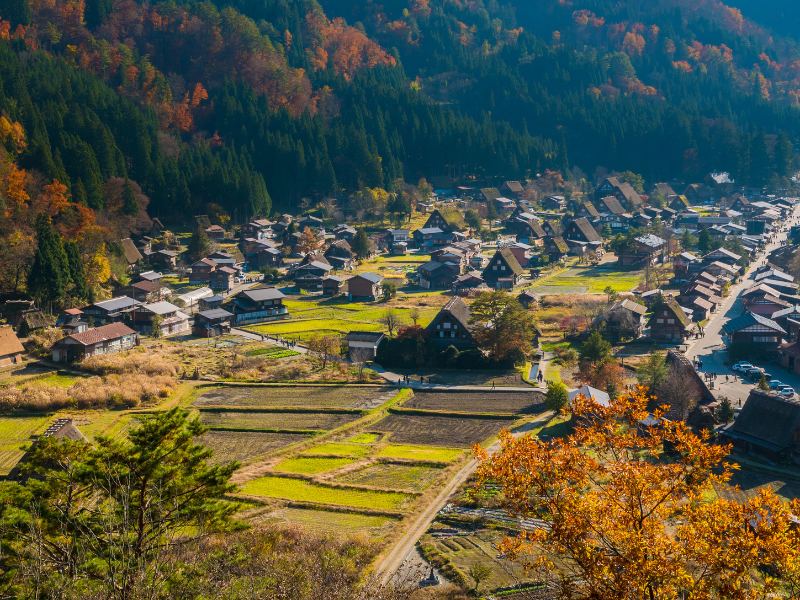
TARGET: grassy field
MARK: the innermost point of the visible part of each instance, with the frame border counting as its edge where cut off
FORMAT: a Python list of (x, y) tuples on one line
[(420, 453), (339, 522), (298, 490), (322, 397), (310, 465), (14, 433), (272, 421), (343, 449), (415, 478), (275, 352), (589, 280)]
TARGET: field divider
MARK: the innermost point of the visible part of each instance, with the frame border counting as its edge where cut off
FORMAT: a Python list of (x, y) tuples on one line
[(301, 410), (423, 412), (312, 432), (306, 384)]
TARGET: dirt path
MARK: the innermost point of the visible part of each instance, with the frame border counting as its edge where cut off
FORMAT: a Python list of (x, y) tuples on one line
[(391, 561)]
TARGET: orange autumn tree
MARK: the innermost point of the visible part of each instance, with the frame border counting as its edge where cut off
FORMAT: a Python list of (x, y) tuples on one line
[(625, 518)]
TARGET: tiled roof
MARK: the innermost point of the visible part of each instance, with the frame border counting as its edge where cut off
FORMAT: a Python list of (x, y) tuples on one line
[(112, 331)]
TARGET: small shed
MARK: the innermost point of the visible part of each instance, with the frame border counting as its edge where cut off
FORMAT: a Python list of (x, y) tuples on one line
[(363, 345)]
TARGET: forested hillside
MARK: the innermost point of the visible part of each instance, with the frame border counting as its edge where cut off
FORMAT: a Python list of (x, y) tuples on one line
[(246, 106)]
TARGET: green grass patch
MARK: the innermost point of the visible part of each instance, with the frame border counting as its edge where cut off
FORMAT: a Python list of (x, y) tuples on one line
[(273, 352), (391, 476), (53, 380), (14, 433), (593, 279), (335, 521), (299, 490), (420, 453), (311, 466), (343, 449), (364, 438)]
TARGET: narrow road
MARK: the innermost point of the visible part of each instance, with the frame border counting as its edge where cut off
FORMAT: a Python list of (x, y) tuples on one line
[(388, 564)]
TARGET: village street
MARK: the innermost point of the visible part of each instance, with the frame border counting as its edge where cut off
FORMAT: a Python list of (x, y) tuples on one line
[(710, 350)]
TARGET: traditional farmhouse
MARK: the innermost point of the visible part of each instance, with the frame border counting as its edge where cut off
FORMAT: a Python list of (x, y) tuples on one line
[(644, 250), (503, 270), (451, 327), (669, 322), (754, 330), (110, 311), (160, 319), (769, 425), (11, 349), (114, 337), (621, 190)]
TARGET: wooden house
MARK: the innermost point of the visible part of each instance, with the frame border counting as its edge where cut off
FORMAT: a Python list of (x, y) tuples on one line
[(621, 190), (446, 219), (365, 286), (212, 322), (223, 279), (669, 322), (109, 311), (503, 270), (767, 425), (333, 285), (450, 326), (644, 250), (258, 306), (340, 255), (754, 330), (11, 349), (435, 275), (107, 339), (169, 319)]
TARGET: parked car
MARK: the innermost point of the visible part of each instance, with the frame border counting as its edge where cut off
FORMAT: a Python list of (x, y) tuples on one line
[(754, 373), (787, 393), (775, 384), (742, 366)]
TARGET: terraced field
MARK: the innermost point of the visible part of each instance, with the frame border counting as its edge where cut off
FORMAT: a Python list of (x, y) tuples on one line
[(394, 476), (295, 396), (275, 421), (475, 402), (14, 433), (242, 446), (450, 431), (299, 490)]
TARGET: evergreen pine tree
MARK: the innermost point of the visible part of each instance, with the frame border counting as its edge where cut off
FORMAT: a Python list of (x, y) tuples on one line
[(49, 277), (80, 288), (129, 204), (199, 244), (360, 243)]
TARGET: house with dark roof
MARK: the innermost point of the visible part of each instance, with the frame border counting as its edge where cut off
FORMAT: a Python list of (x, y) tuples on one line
[(212, 322), (581, 230), (643, 250), (310, 275), (472, 280), (623, 320), (554, 203), (769, 425), (556, 248), (754, 330), (669, 322), (340, 255), (428, 238), (223, 279), (362, 346), (450, 326), (11, 349), (333, 285), (503, 270), (587, 209), (258, 305), (200, 271), (365, 287), (621, 190), (130, 252), (108, 311), (435, 275), (107, 339), (513, 189), (447, 219)]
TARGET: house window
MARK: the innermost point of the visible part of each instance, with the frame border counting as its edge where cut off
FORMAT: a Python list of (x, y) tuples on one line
[(659, 320), (447, 325), (671, 321)]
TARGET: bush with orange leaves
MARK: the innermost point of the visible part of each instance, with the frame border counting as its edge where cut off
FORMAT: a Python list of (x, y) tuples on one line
[(627, 511)]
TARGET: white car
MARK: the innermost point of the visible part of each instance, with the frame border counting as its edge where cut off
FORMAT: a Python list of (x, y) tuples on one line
[(742, 366), (787, 392)]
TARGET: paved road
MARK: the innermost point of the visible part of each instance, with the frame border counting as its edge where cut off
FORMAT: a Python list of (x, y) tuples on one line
[(710, 348)]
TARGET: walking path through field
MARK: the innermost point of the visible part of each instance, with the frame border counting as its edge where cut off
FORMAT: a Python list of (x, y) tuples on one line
[(388, 564)]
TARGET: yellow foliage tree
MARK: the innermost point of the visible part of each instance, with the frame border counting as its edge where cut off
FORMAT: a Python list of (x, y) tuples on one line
[(628, 511), (98, 268)]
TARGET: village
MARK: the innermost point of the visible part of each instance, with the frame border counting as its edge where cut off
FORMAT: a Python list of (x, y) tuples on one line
[(344, 365)]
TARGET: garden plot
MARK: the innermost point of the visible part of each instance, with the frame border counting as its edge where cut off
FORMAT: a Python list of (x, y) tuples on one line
[(300, 490), (476, 402), (325, 521), (311, 465), (275, 421), (295, 396), (415, 478), (244, 445), (452, 431), (14, 433)]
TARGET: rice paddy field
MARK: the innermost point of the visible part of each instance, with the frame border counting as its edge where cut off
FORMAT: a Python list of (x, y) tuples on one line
[(588, 280), (15, 433), (323, 397), (472, 402), (275, 421), (449, 431)]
